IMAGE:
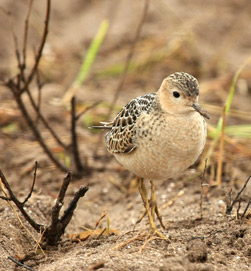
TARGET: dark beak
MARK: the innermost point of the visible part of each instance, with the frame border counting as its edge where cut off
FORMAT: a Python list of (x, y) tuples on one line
[(200, 110)]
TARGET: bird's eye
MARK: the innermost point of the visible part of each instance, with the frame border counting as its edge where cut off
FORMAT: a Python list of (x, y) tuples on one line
[(176, 94)]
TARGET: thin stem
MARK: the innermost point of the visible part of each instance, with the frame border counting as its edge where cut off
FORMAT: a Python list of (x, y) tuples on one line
[(249, 203), (229, 208), (26, 30), (221, 149), (66, 217), (20, 264), (74, 138), (41, 47), (44, 121), (59, 203), (86, 109), (33, 126), (33, 183), (19, 204)]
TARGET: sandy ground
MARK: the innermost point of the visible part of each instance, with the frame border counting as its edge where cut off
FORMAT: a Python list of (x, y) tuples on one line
[(209, 40)]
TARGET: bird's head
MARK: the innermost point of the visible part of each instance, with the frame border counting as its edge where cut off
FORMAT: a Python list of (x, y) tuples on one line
[(179, 93)]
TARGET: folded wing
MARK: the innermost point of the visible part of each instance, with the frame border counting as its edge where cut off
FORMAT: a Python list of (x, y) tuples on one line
[(121, 137)]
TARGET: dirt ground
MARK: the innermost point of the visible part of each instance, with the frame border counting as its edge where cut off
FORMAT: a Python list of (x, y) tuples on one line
[(209, 39)]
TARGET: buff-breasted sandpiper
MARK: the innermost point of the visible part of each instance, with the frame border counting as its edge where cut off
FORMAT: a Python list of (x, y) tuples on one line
[(159, 135)]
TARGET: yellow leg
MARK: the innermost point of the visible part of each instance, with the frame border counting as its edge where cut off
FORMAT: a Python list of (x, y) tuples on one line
[(153, 200), (141, 217), (154, 206), (143, 193)]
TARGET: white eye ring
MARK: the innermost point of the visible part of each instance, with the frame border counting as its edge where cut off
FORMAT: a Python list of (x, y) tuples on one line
[(176, 94)]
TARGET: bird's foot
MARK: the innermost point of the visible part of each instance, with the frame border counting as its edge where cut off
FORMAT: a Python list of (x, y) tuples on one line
[(159, 234), (154, 210)]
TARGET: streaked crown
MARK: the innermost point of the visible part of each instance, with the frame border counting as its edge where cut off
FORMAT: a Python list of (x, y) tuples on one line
[(185, 82)]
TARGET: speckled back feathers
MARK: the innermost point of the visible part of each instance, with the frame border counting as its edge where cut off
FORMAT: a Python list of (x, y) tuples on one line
[(120, 138)]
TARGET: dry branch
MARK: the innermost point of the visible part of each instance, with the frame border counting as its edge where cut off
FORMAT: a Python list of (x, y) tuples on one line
[(52, 233), (21, 83), (221, 148), (20, 264), (33, 184), (202, 184), (33, 127), (41, 46), (26, 30), (74, 144), (244, 213), (19, 204), (230, 204), (42, 118), (66, 217), (86, 109)]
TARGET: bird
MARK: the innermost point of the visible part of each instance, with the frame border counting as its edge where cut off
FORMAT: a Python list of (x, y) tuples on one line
[(159, 135)]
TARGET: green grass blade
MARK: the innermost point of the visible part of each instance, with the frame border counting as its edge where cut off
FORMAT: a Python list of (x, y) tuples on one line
[(87, 62), (92, 52), (231, 94), (237, 131), (229, 100)]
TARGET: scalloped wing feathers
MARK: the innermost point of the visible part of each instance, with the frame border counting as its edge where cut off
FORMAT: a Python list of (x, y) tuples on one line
[(120, 139)]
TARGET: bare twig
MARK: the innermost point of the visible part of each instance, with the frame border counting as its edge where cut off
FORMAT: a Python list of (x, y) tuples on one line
[(97, 266), (19, 204), (21, 65), (66, 217), (33, 183), (221, 149), (74, 138), (5, 198), (18, 57), (41, 47), (20, 264), (228, 197), (44, 121), (249, 203), (39, 99), (231, 204), (59, 203), (86, 109), (54, 231), (15, 86), (104, 214), (37, 108), (238, 209), (11, 85), (139, 236), (21, 84), (202, 185), (58, 225), (26, 30)]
